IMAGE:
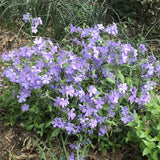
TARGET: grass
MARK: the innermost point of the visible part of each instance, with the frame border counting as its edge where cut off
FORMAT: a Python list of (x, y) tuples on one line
[(56, 14)]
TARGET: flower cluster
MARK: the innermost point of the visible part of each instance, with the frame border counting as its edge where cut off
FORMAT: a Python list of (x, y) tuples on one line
[(35, 22), (90, 84)]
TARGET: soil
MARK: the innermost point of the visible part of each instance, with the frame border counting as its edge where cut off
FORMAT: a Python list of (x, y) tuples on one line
[(17, 144)]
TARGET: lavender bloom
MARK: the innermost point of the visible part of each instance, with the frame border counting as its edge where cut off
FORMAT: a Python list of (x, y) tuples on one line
[(69, 90), (34, 29), (63, 102), (71, 157), (126, 119), (24, 94), (122, 88), (144, 98), (113, 97), (142, 48), (157, 69), (100, 26), (71, 114), (134, 91), (26, 17), (70, 72), (25, 107), (74, 29), (124, 111), (148, 85), (13, 94), (99, 103), (36, 21), (73, 146), (111, 29), (131, 99), (59, 123), (92, 91), (102, 130), (111, 112), (70, 128), (93, 123), (152, 58)]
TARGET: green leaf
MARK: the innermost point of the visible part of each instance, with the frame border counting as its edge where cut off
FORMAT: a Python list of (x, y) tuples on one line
[(55, 132), (158, 146), (48, 124), (110, 123), (110, 80), (94, 72), (29, 127), (50, 108), (145, 142), (155, 155), (146, 151), (120, 76)]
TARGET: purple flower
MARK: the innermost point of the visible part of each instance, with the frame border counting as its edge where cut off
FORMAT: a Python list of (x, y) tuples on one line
[(102, 130), (111, 29), (34, 29), (152, 58), (126, 119), (59, 123), (148, 85), (134, 91), (122, 88), (74, 29), (95, 34), (25, 107), (92, 91), (69, 90), (93, 123), (24, 94), (71, 157), (73, 146), (111, 112), (131, 99), (13, 94), (124, 111), (71, 114), (70, 128), (61, 102), (142, 48), (26, 17), (99, 103), (100, 26), (64, 102), (157, 69), (113, 97)]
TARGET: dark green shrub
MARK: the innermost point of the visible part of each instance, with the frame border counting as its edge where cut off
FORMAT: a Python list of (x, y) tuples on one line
[(146, 129)]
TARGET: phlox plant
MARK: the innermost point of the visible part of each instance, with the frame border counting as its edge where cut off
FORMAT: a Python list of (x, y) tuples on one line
[(33, 23), (92, 85)]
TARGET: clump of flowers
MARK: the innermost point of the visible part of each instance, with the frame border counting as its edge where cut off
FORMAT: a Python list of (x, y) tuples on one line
[(88, 82), (35, 22)]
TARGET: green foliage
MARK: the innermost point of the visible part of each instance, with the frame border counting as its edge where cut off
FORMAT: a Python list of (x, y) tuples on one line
[(146, 129)]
